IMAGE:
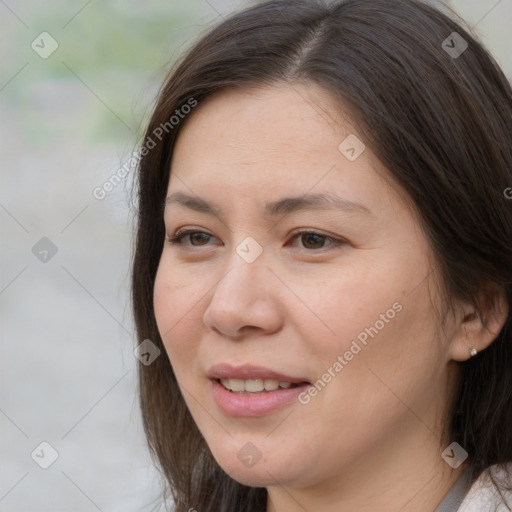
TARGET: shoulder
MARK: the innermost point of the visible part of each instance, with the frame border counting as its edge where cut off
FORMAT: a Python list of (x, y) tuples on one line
[(483, 494)]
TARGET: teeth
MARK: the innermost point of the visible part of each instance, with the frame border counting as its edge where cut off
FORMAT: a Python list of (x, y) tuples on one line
[(237, 385), (271, 385), (253, 385)]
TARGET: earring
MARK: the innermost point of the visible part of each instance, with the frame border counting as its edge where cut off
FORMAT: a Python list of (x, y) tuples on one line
[(473, 352)]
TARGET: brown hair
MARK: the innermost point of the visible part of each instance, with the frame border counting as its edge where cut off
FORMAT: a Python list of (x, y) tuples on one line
[(441, 124)]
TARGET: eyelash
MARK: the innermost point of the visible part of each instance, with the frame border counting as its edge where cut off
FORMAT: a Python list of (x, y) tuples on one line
[(177, 239)]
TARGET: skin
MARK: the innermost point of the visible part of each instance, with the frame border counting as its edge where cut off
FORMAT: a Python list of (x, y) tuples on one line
[(372, 437)]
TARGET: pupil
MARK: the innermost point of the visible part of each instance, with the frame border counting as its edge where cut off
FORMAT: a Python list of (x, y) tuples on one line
[(315, 238), (204, 237)]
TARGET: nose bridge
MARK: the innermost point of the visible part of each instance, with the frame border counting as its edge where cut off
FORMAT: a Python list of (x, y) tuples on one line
[(245, 276), (243, 296)]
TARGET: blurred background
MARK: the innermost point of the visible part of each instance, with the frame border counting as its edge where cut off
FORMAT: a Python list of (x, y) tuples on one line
[(77, 82)]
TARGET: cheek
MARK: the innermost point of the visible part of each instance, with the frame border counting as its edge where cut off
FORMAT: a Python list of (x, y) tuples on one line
[(176, 294), (342, 307), (366, 392), (165, 303), (386, 305), (177, 312), (368, 331), (379, 382)]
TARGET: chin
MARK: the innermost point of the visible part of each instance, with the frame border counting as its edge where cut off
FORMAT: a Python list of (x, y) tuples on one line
[(263, 473), (252, 479)]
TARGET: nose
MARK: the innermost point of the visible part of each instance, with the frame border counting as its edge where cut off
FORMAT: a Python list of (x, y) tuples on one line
[(245, 300)]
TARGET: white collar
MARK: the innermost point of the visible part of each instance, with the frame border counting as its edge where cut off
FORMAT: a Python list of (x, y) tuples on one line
[(483, 495)]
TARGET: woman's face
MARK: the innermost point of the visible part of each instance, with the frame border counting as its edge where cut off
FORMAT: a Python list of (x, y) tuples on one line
[(309, 268)]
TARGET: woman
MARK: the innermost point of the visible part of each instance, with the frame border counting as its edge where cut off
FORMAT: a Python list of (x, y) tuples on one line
[(324, 258)]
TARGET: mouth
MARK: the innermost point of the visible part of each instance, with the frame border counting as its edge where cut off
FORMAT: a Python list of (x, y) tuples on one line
[(250, 391), (256, 386)]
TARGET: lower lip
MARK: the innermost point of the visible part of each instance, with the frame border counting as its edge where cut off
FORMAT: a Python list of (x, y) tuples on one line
[(235, 404)]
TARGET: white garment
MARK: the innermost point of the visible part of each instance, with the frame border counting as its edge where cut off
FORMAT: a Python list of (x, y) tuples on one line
[(483, 495)]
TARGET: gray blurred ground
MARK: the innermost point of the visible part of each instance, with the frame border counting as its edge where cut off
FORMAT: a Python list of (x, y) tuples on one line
[(67, 123)]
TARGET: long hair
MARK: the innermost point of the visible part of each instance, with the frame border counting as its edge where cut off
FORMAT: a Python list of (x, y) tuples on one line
[(436, 110)]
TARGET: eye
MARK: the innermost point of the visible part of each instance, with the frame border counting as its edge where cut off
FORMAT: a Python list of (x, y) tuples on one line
[(312, 240), (194, 236)]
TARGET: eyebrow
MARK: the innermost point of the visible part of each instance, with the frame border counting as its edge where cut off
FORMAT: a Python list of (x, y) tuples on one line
[(283, 206)]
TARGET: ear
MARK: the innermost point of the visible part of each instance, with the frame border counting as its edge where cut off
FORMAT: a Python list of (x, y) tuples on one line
[(478, 329)]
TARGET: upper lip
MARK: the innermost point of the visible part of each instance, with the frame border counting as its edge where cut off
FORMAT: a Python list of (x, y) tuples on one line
[(248, 371)]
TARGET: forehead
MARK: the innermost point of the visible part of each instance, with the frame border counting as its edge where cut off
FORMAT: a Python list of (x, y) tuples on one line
[(273, 122), (256, 143)]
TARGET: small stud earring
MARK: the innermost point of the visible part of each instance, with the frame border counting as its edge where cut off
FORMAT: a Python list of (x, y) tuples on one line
[(473, 352)]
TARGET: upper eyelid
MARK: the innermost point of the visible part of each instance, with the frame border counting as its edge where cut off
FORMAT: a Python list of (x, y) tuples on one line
[(299, 231), (184, 232)]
